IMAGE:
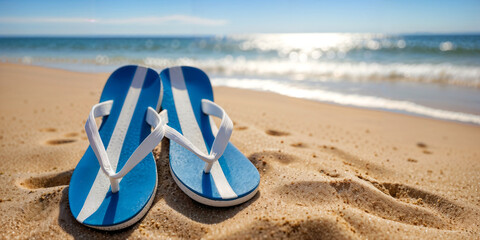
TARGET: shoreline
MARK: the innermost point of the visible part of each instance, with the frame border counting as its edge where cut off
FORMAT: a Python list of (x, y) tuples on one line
[(326, 170), (411, 98)]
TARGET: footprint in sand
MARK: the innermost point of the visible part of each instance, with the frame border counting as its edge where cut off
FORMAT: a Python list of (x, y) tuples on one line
[(331, 173), (72, 134), (262, 160), (299, 145), (353, 160), (276, 133), (327, 227), (373, 201), (48, 130), (280, 157), (55, 142), (421, 145), (241, 128), (412, 160), (47, 180), (424, 147), (391, 201), (67, 138)]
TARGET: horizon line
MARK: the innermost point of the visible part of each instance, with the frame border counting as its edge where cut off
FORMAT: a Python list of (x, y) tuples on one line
[(233, 34)]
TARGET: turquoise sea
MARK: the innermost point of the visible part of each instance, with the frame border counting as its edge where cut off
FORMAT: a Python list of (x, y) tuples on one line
[(428, 75)]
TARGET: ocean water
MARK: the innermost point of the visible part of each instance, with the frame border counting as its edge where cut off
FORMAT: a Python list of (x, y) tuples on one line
[(428, 75)]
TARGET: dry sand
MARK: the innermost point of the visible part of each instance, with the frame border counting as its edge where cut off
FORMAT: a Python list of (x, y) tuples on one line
[(326, 171)]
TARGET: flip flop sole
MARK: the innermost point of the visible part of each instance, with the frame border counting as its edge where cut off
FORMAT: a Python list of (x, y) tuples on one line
[(210, 202), (132, 221), (233, 179), (133, 89)]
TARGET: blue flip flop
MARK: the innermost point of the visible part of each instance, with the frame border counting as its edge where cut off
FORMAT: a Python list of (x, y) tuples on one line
[(225, 177), (99, 196)]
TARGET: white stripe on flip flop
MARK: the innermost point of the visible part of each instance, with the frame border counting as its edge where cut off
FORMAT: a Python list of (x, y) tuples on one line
[(101, 184), (191, 130)]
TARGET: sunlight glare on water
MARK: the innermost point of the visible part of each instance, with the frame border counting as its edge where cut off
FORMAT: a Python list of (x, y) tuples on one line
[(313, 45)]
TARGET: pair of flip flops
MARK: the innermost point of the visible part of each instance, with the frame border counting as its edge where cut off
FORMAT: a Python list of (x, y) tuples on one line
[(115, 182)]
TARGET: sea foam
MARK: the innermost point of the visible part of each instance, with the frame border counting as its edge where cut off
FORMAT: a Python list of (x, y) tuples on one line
[(345, 99)]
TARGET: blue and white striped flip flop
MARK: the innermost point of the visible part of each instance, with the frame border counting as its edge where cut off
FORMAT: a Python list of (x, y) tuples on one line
[(225, 177), (99, 196)]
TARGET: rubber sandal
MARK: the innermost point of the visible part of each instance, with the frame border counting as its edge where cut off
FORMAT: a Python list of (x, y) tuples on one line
[(99, 196), (225, 177)]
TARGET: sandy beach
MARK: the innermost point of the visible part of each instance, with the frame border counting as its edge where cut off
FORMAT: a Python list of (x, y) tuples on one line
[(327, 171)]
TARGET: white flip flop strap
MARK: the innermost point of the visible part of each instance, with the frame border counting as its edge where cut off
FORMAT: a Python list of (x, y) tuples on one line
[(221, 140), (157, 121), (225, 130), (96, 143)]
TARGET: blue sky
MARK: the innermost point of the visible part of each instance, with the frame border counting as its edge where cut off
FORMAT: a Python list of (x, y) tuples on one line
[(46, 17)]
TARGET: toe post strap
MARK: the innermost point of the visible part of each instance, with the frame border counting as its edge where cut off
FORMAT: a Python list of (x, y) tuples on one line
[(157, 121), (221, 140)]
